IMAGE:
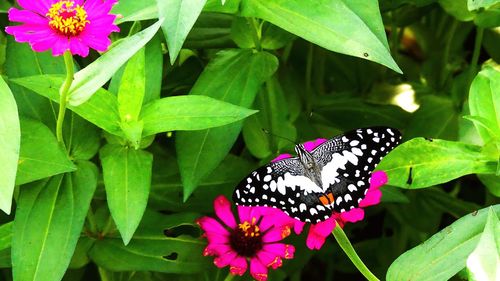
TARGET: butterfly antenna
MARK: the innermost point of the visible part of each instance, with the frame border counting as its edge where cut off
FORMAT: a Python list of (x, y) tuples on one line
[(266, 131)]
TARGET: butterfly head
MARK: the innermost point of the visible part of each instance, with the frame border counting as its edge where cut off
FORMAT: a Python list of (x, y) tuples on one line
[(312, 170)]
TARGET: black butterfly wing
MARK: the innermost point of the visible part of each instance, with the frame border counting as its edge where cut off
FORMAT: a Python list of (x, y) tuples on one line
[(348, 160), (282, 185)]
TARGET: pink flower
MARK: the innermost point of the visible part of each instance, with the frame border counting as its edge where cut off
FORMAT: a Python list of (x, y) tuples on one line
[(64, 25), (255, 238), (318, 232)]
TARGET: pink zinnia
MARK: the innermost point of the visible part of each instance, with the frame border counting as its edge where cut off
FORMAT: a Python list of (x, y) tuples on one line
[(64, 25), (318, 232), (255, 238)]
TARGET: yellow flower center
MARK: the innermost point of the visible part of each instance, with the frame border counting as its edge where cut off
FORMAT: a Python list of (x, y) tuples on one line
[(67, 18)]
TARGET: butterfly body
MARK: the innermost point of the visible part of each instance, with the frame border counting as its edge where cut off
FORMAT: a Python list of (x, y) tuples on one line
[(334, 176)]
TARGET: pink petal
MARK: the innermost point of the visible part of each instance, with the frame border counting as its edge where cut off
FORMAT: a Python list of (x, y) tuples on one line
[(214, 249), (269, 259), (222, 208), (258, 270), (372, 198), (280, 249), (98, 7), (225, 259), (77, 47), (211, 225), (281, 157), (26, 16), (238, 266), (378, 179), (274, 217), (353, 215), (318, 233), (40, 7), (310, 145), (276, 233)]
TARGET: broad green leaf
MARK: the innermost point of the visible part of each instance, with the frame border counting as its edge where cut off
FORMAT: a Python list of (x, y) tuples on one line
[(484, 262), (457, 8), (259, 131), (437, 117), (166, 189), (179, 17), (41, 156), (444, 254), (127, 179), (132, 88), (339, 112), (80, 256), (5, 243), (10, 140), (349, 27), (217, 6), (101, 109), (420, 163), (200, 152), (21, 61), (133, 10), (477, 4), (151, 250), (484, 102), (49, 219), (489, 126), (191, 112), (492, 182), (81, 137), (90, 79)]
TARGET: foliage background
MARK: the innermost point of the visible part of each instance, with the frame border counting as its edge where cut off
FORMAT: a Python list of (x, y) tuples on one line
[(176, 125)]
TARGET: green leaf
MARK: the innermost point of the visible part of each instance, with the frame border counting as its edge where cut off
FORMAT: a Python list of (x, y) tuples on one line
[(200, 152), (21, 61), (457, 8), (339, 112), (151, 250), (444, 254), (132, 88), (349, 27), (127, 179), (216, 6), (135, 10), (484, 262), (484, 102), (437, 117), (10, 139), (478, 4), (179, 17), (49, 218), (41, 156), (492, 182), (90, 79), (101, 109), (191, 112), (5, 243), (81, 137), (420, 163)]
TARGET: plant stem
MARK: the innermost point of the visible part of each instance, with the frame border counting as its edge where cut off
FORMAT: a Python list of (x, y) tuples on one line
[(63, 95), (229, 277), (446, 52), (346, 245), (255, 33), (475, 54)]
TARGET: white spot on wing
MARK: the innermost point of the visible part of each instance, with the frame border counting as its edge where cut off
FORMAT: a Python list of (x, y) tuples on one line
[(267, 178), (302, 207), (352, 187), (347, 197), (357, 151)]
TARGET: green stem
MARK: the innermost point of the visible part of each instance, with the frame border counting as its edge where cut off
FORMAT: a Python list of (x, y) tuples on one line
[(475, 54), (63, 95), (255, 33), (346, 245), (229, 277), (446, 52)]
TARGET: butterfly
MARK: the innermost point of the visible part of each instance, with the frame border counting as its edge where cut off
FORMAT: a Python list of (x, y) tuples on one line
[(333, 176)]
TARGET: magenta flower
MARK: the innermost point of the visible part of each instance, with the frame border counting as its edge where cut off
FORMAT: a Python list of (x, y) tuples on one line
[(318, 232), (255, 238), (64, 25)]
